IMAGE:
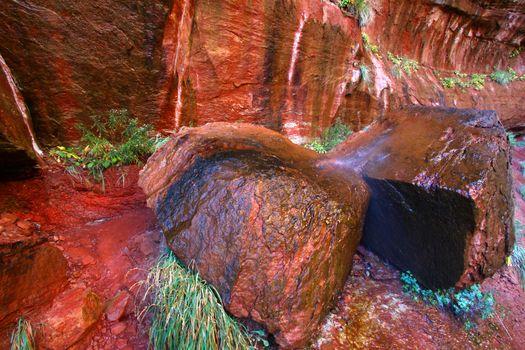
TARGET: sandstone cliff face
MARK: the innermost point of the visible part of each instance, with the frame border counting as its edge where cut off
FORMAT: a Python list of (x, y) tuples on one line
[(75, 59), (289, 65)]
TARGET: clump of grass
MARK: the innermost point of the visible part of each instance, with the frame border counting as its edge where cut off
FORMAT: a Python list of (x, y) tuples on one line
[(402, 64), (517, 258), (467, 304), (113, 141), (369, 45), (365, 73), (330, 138), (358, 8), (187, 311), (504, 77), (22, 337)]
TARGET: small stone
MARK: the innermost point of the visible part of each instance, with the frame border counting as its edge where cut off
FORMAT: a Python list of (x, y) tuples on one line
[(118, 328), (121, 343), (7, 218), (117, 306), (24, 225), (2, 228)]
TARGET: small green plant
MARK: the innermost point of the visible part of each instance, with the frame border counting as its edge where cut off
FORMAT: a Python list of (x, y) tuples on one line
[(187, 311), (513, 141), (517, 258), (114, 141), (467, 304), (478, 81), (358, 8), (316, 145), (402, 64), (504, 77), (515, 52), (370, 46), (365, 73), (22, 337), (450, 82), (330, 138)]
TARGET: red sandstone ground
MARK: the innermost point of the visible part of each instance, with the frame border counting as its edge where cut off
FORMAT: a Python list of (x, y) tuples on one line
[(110, 238)]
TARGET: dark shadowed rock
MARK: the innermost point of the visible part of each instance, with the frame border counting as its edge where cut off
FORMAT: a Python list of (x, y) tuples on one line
[(18, 149), (441, 203), (249, 211)]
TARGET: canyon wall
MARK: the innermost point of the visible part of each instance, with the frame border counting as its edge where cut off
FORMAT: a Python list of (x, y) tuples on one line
[(290, 65)]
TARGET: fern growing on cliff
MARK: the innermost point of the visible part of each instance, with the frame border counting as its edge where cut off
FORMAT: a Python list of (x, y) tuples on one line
[(113, 141), (330, 138), (187, 311)]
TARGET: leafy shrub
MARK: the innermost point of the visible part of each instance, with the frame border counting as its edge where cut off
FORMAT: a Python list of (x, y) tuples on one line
[(504, 77), (477, 81), (467, 304), (22, 337), (369, 46), (404, 64), (358, 8), (114, 141), (187, 311), (330, 138)]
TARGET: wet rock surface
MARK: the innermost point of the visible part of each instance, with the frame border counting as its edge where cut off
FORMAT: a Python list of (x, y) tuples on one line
[(72, 315), (247, 209), (32, 271), (440, 192), (108, 239)]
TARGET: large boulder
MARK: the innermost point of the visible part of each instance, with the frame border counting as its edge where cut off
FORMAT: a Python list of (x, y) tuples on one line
[(249, 210), (441, 203)]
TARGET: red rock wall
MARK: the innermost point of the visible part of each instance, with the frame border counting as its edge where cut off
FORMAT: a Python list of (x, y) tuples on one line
[(74, 59), (289, 65)]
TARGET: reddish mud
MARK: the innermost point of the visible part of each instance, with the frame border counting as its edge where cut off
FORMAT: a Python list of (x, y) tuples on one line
[(109, 239)]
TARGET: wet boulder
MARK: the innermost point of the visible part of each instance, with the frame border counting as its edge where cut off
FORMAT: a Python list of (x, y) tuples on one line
[(441, 203), (251, 212)]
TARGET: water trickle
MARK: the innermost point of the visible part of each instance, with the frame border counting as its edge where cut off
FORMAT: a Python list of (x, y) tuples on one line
[(295, 48), (180, 67), (21, 106)]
